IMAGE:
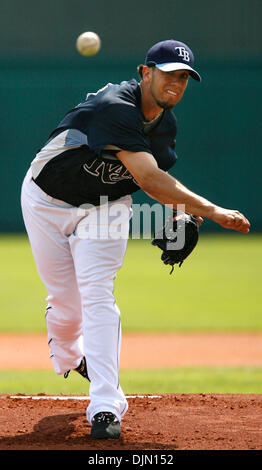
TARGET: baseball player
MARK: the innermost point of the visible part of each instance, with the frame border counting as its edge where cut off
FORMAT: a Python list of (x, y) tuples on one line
[(117, 141)]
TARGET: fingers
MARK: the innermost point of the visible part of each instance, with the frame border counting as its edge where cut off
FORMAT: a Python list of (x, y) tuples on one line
[(237, 221), (199, 220), (230, 219)]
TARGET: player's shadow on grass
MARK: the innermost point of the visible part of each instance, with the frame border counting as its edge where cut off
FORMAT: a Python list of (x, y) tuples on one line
[(70, 432)]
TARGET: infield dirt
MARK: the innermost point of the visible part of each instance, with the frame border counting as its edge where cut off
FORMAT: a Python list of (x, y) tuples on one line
[(166, 422), (150, 350)]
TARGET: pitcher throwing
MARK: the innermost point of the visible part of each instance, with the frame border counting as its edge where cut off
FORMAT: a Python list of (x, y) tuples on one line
[(119, 140)]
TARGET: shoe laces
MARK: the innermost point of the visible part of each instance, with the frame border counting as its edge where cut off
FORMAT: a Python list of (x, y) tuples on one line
[(104, 417)]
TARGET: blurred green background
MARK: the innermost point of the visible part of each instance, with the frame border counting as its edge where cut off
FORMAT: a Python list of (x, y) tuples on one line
[(219, 157), (219, 120)]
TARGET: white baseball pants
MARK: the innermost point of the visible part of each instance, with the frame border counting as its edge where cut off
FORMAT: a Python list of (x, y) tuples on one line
[(77, 261)]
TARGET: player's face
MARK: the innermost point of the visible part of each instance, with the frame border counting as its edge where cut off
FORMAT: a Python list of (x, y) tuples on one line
[(167, 88)]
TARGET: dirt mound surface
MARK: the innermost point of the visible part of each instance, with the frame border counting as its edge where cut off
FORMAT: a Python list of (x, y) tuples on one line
[(158, 423), (164, 422)]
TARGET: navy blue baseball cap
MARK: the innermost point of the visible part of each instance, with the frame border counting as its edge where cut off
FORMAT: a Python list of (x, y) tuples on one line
[(172, 55)]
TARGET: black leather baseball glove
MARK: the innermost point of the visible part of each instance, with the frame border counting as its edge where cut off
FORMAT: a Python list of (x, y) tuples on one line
[(177, 238)]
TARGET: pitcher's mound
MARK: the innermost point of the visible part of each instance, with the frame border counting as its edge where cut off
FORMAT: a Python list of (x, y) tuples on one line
[(163, 422)]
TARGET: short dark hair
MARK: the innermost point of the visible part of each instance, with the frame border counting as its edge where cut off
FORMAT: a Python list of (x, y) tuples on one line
[(140, 70)]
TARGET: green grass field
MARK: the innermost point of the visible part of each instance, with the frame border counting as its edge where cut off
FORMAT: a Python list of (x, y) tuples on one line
[(179, 380), (216, 289)]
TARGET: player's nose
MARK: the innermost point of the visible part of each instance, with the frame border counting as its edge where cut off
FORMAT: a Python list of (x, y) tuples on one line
[(176, 83)]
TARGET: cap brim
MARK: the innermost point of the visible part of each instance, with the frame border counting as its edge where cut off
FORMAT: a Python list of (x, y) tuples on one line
[(172, 66)]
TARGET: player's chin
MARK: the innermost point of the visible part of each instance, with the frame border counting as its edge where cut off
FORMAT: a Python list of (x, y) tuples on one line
[(166, 104), (169, 101)]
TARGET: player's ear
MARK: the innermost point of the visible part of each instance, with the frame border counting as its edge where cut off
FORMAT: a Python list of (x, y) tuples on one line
[(147, 73)]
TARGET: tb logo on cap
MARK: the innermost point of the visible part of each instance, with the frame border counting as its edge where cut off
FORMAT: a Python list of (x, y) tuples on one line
[(183, 53)]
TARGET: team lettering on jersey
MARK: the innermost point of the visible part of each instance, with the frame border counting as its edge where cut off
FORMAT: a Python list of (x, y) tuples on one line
[(109, 173)]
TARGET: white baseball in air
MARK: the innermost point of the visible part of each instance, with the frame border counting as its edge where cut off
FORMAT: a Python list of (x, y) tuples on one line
[(88, 43)]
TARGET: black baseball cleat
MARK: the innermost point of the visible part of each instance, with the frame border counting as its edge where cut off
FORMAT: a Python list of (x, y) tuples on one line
[(105, 425), (81, 369)]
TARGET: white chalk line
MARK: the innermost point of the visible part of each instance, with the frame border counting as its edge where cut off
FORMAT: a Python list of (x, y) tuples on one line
[(59, 397)]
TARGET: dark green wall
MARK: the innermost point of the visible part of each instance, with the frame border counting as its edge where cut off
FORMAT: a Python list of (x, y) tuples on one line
[(42, 76)]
